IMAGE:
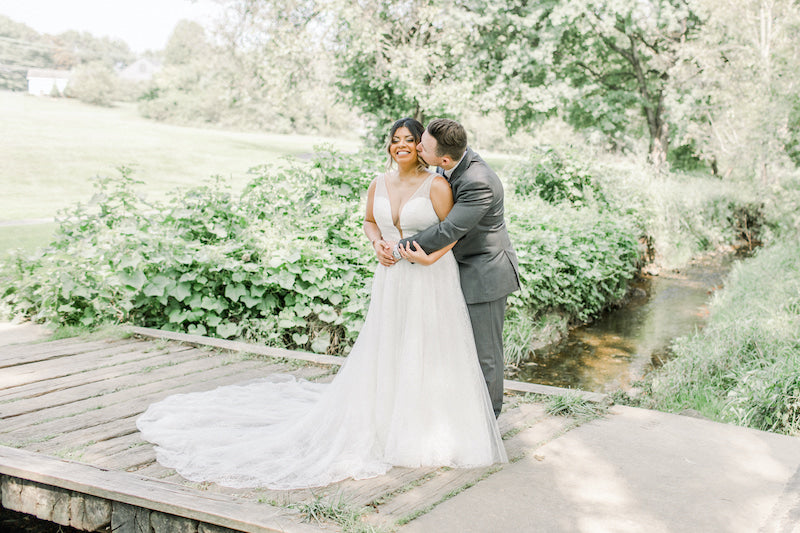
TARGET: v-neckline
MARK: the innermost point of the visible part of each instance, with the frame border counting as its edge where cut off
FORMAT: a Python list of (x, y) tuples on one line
[(403, 206)]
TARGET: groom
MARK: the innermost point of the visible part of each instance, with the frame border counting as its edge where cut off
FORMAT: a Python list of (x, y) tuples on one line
[(487, 261)]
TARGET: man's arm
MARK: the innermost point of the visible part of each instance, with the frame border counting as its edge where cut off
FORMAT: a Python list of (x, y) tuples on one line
[(473, 201)]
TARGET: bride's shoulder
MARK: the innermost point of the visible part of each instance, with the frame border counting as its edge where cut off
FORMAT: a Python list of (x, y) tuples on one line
[(439, 183), (379, 176)]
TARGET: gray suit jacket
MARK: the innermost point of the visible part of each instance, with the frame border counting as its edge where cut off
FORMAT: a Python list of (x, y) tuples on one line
[(487, 261)]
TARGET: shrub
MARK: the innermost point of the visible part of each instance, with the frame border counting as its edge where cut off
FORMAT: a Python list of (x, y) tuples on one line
[(94, 83), (554, 178)]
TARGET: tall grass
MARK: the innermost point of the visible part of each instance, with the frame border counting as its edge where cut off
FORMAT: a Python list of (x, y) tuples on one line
[(682, 214), (744, 367)]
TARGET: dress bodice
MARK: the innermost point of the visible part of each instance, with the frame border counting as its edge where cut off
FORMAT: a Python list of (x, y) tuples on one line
[(416, 215)]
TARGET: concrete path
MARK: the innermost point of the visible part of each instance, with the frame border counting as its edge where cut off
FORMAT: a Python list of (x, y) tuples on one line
[(637, 471)]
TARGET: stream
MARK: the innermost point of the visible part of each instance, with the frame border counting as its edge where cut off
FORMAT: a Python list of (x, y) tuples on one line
[(617, 349)]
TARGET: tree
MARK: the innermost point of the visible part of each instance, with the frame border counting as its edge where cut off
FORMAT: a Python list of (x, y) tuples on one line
[(406, 58), (73, 48), (191, 86), (21, 48), (94, 83), (187, 43), (750, 70), (597, 64)]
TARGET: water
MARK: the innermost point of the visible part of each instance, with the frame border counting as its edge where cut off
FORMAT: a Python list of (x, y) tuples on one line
[(620, 347), (14, 522)]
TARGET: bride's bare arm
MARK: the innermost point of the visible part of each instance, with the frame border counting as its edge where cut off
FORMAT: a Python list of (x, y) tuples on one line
[(442, 200), (383, 250)]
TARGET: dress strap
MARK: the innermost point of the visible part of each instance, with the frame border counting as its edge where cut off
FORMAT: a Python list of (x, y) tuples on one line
[(380, 187)]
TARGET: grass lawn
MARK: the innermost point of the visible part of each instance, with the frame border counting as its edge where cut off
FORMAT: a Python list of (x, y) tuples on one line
[(52, 147), (27, 237)]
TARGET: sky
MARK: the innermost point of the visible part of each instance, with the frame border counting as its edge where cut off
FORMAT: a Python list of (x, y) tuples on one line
[(143, 24)]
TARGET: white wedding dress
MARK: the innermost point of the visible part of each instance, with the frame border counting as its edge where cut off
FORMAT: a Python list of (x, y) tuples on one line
[(410, 393)]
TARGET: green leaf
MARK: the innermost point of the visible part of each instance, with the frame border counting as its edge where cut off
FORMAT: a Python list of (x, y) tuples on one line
[(195, 301), (285, 280), (178, 315), (300, 340), (157, 286), (327, 314), (134, 280), (250, 301), (180, 291), (197, 329), (321, 342), (130, 261), (228, 329), (211, 303), (235, 291)]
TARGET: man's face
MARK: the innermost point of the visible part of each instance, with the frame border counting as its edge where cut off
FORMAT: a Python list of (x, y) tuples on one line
[(426, 149)]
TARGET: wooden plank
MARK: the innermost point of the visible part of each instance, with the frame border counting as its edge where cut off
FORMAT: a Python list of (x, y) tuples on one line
[(160, 379), (157, 471), (438, 486), (89, 377), (45, 370), (237, 346), (150, 494), (45, 348), (93, 412), (536, 436), (89, 384), (118, 417), (519, 386), (54, 353)]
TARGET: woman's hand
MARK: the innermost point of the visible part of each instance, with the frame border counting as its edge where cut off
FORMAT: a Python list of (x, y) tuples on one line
[(416, 254), (383, 250)]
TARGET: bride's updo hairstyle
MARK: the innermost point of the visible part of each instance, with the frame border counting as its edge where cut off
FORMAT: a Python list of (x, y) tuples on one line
[(416, 128)]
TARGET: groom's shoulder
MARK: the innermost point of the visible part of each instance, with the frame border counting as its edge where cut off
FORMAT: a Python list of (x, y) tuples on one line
[(478, 169)]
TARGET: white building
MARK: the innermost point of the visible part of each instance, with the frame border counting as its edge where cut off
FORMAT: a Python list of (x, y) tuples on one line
[(43, 81)]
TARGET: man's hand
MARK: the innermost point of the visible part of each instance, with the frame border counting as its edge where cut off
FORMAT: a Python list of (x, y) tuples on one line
[(383, 249), (416, 254)]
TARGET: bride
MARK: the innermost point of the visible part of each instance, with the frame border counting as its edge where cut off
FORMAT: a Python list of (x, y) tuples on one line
[(410, 393)]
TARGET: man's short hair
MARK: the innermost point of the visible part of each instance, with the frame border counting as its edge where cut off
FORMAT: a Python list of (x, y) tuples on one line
[(451, 137)]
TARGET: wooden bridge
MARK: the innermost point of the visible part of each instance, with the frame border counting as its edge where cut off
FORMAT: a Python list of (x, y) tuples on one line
[(70, 452)]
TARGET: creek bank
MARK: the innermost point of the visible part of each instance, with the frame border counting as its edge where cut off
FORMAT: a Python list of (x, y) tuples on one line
[(616, 350)]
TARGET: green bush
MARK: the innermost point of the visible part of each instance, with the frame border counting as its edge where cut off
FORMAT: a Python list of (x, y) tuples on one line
[(555, 178), (680, 215), (574, 261), (94, 83), (285, 262)]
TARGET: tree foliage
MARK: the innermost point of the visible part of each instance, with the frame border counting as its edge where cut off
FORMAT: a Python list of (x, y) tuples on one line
[(750, 76), (21, 48), (407, 58), (604, 65), (93, 83)]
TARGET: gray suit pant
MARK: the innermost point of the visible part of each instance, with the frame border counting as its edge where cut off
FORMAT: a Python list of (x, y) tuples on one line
[(487, 326)]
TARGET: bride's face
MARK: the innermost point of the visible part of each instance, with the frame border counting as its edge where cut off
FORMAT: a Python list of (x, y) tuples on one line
[(403, 147)]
